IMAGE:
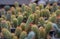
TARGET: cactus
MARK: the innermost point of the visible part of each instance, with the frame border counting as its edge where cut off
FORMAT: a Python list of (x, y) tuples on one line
[(7, 7), (54, 7), (15, 22), (20, 19), (33, 6), (3, 16), (57, 12), (45, 13), (41, 21), (8, 16), (35, 18), (6, 33), (23, 8), (4, 24), (36, 30), (41, 6), (53, 18), (38, 13), (23, 26), (23, 35), (16, 4), (12, 17), (30, 20), (13, 10), (48, 27), (42, 32), (18, 31)]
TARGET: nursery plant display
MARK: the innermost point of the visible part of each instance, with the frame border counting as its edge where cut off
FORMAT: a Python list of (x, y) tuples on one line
[(29, 21)]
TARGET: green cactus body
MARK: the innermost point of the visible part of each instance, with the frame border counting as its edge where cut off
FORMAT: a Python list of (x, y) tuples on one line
[(42, 32), (54, 7), (53, 18), (7, 8), (36, 30), (33, 6), (28, 12), (12, 17), (45, 13), (41, 6), (48, 27), (57, 12), (8, 16), (23, 26), (16, 4), (35, 18), (20, 19), (38, 13), (3, 12), (23, 35), (6, 33), (4, 24), (30, 20), (15, 22), (0, 22), (41, 21), (18, 31), (23, 8)]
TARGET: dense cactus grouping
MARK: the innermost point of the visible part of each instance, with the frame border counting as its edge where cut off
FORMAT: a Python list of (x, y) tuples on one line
[(29, 21)]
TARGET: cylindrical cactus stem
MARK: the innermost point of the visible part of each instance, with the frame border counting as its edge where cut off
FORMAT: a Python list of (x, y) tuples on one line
[(33, 6), (23, 8), (15, 22), (18, 31), (12, 17), (16, 4), (41, 21), (41, 6), (36, 30), (42, 32), (30, 20), (6, 33), (23, 26), (4, 24), (45, 13), (7, 8), (53, 18), (20, 19), (23, 35), (38, 13), (48, 27), (8, 16)]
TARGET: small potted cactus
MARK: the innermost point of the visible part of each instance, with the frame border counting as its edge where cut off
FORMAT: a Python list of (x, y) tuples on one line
[(41, 21), (42, 32), (30, 20), (20, 19), (18, 31), (33, 6), (15, 22), (6, 33), (45, 13), (23, 26), (23, 35), (35, 29)]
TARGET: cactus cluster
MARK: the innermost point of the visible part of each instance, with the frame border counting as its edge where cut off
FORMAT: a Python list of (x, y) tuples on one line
[(29, 21)]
